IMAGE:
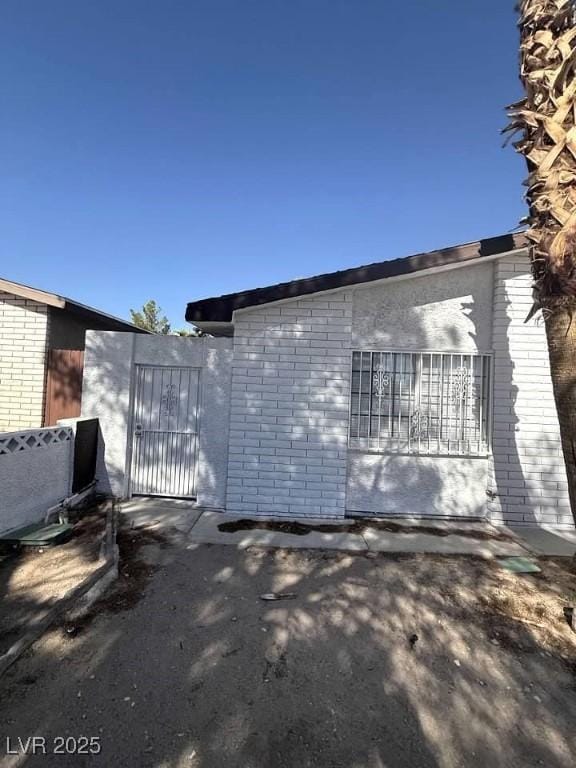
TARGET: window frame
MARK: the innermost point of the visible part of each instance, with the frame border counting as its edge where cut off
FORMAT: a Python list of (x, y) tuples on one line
[(389, 446)]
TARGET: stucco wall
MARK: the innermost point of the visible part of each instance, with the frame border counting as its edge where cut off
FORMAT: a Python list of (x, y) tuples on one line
[(106, 388), (35, 473), (447, 312), (23, 334), (416, 485), (109, 363)]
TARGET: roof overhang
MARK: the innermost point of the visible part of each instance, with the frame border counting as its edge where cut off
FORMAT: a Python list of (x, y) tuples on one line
[(215, 315), (25, 292), (61, 302), (114, 323)]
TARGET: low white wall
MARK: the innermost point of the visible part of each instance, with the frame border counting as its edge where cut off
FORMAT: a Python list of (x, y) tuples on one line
[(35, 473), (109, 363)]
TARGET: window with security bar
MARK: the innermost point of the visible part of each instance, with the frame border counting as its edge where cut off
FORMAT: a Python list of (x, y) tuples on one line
[(422, 403)]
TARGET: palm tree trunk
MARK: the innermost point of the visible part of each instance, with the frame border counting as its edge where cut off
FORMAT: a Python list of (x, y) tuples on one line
[(561, 336), (546, 120)]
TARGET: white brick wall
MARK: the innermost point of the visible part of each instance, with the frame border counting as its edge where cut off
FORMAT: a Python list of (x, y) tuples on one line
[(289, 408), (23, 335), (290, 400), (528, 480)]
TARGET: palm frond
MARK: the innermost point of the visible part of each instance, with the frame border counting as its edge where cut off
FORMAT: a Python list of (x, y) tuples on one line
[(545, 120)]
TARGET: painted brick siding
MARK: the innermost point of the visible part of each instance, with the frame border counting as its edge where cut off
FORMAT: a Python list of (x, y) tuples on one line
[(23, 335), (289, 408), (528, 480)]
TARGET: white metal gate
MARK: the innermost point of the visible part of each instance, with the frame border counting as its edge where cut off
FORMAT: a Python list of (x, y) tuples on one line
[(165, 440)]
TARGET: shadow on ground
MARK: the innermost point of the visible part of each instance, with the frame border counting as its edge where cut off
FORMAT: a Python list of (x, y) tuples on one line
[(192, 668), (33, 579)]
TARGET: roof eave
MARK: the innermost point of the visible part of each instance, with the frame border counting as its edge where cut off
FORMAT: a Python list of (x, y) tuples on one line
[(61, 302), (34, 294), (83, 309), (221, 309)]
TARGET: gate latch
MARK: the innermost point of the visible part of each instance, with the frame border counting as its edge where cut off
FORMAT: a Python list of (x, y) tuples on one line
[(138, 430)]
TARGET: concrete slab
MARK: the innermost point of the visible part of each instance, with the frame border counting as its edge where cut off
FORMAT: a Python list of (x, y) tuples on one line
[(205, 531), (382, 541), (548, 540), (444, 524), (160, 513), (145, 502), (201, 527)]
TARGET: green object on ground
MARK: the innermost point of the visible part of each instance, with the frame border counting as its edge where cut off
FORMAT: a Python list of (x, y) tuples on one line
[(38, 535), (519, 565)]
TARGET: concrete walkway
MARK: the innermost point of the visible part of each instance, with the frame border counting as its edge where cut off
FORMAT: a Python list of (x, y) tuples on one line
[(558, 542), (437, 536), (169, 514), (201, 526), (461, 542)]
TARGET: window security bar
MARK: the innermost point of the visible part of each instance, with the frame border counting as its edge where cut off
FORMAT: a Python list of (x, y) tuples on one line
[(423, 403)]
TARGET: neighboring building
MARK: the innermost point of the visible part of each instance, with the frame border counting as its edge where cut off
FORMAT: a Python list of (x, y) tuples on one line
[(408, 387), (42, 339)]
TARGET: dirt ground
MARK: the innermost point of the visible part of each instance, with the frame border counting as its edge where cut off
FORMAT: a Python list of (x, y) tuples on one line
[(34, 579), (377, 661)]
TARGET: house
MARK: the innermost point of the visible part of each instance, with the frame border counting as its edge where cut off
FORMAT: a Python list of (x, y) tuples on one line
[(406, 387), (42, 337)]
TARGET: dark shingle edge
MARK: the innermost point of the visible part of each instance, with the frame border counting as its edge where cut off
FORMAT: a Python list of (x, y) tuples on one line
[(220, 308)]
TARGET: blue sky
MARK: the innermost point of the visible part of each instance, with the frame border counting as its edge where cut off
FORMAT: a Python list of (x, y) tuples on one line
[(177, 150)]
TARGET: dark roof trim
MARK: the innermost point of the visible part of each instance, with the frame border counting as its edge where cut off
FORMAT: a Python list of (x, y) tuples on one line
[(114, 323), (220, 309)]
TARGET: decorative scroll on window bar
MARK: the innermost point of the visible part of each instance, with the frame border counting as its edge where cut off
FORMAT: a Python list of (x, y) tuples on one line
[(421, 403)]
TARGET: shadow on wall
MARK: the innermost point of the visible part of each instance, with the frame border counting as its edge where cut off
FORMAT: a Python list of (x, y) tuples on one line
[(214, 426), (524, 484), (527, 488), (418, 485), (171, 457), (506, 466), (189, 456), (451, 486), (451, 310), (421, 485), (106, 395)]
